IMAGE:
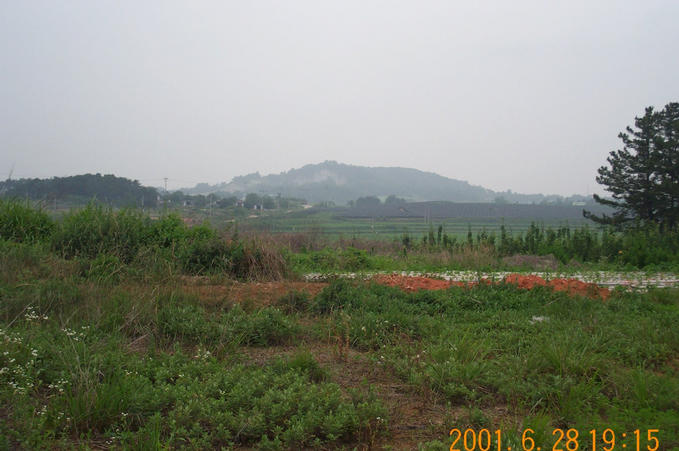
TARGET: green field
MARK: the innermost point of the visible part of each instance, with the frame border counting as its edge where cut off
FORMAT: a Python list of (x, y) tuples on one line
[(119, 331), (333, 226)]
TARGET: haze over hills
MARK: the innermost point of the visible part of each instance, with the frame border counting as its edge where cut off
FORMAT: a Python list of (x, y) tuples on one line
[(340, 183)]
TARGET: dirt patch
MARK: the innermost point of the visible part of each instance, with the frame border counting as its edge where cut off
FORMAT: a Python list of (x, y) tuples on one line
[(573, 287), (415, 283)]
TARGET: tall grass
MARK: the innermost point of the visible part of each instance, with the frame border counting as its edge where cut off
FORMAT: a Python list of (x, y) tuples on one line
[(21, 222), (103, 239)]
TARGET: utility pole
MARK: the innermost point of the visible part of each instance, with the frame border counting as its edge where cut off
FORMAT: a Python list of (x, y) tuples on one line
[(165, 200)]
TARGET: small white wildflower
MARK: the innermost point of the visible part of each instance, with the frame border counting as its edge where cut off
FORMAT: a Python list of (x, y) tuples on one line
[(539, 319)]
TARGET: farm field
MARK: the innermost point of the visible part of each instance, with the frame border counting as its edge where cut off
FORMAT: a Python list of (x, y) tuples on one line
[(334, 226)]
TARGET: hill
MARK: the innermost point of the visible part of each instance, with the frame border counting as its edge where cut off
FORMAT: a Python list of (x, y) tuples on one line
[(340, 183)]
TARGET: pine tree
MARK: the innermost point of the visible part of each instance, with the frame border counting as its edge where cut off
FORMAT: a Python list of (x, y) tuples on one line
[(669, 166), (643, 176)]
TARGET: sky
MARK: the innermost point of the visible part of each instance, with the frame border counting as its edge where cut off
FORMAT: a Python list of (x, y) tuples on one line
[(527, 95)]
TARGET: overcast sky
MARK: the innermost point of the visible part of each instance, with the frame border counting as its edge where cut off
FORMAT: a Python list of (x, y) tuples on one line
[(521, 95)]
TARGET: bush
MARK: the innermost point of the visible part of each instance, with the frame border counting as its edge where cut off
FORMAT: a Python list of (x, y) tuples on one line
[(23, 223), (265, 327), (205, 256), (97, 230), (339, 294)]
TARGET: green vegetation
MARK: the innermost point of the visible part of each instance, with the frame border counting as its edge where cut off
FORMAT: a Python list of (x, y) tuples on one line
[(392, 220), (105, 238), (643, 177), (124, 332), (122, 364), (645, 248), (80, 189), (20, 222), (551, 360)]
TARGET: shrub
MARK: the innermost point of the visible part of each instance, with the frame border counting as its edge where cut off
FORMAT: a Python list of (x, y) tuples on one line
[(305, 363), (265, 327), (97, 230), (256, 259), (339, 294), (23, 223), (205, 256)]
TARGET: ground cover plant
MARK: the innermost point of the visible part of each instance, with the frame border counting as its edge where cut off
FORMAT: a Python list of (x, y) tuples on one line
[(121, 332)]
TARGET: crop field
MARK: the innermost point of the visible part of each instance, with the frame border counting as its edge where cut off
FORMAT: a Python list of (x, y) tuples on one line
[(333, 226), (121, 332)]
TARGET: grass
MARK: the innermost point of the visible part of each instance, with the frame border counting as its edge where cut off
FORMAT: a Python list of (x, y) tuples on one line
[(333, 226), (90, 362), (121, 332)]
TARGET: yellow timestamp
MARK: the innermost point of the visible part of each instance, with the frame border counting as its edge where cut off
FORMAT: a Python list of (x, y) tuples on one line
[(562, 440)]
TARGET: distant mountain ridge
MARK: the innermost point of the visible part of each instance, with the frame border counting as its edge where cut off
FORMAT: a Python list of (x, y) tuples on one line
[(340, 183)]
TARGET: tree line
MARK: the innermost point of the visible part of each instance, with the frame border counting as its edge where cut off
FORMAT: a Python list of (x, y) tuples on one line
[(109, 189)]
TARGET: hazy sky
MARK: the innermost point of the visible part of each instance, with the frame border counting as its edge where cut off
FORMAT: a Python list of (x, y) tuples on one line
[(521, 95)]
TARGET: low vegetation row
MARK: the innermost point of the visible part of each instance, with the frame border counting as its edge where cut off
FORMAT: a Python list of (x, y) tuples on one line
[(104, 242)]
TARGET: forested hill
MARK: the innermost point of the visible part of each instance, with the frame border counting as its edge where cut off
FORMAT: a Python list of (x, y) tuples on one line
[(340, 183), (117, 191)]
